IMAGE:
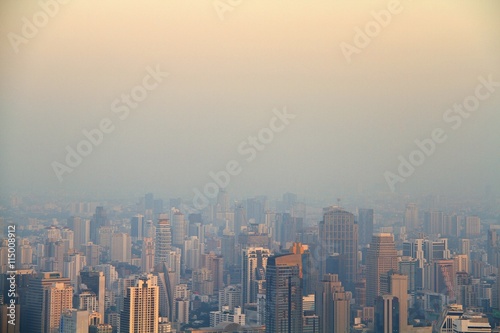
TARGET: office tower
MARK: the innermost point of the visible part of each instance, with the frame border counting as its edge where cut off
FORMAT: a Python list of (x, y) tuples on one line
[(338, 233), (49, 295), (121, 247), (286, 228), (381, 258), (445, 322), (73, 264), (179, 229), (493, 246), (157, 206), (253, 267), (166, 290), (433, 222), (472, 226), (332, 305), (99, 219), (141, 306), (228, 250), (74, 321), (149, 201), (284, 294), (136, 227), (411, 217), (96, 282), (256, 209), (309, 270), (92, 254), (409, 266), (240, 219), (436, 249), (215, 264), (163, 240), (399, 289), (149, 229), (415, 250), (365, 226), (147, 255), (387, 314)]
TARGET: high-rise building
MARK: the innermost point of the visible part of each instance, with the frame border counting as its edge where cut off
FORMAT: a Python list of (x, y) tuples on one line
[(166, 291), (433, 222), (121, 247), (387, 314), (147, 255), (99, 219), (332, 305), (399, 289), (163, 240), (381, 258), (253, 267), (365, 226), (338, 233), (96, 282), (50, 294), (179, 229), (74, 321), (411, 217), (141, 307), (92, 253), (136, 227), (472, 226), (283, 309)]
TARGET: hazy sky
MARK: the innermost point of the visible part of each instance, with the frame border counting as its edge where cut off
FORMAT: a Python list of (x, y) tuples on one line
[(227, 75)]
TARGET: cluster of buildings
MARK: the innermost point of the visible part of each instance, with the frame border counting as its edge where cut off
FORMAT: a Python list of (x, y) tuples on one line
[(243, 267)]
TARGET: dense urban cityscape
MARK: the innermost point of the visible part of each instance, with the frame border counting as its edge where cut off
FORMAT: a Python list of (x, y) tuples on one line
[(250, 265)]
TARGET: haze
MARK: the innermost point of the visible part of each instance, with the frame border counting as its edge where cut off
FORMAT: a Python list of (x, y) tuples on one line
[(225, 79)]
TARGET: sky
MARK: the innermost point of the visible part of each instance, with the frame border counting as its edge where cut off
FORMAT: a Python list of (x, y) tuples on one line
[(356, 99)]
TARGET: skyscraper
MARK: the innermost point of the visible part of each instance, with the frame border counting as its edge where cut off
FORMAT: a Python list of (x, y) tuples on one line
[(333, 305), (179, 229), (283, 294), (387, 314), (411, 217), (381, 258), (140, 307), (338, 233), (136, 227), (365, 225), (163, 240), (100, 219), (399, 289), (166, 290), (253, 267), (121, 247), (96, 282), (147, 255), (50, 294)]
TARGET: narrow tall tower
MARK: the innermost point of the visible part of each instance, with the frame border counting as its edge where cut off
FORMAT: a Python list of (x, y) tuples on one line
[(140, 307), (333, 305), (338, 233), (283, 294), (381, 258), (163, 240)]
